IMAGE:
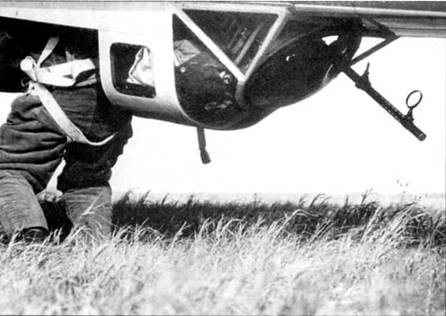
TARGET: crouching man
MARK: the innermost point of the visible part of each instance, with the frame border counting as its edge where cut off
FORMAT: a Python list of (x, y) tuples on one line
[(62, 116)]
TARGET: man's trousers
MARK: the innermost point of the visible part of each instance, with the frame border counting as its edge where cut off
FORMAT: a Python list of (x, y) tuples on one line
[(32, 146)]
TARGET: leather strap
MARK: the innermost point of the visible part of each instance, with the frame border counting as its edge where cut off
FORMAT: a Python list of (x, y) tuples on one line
[(61, 75), (73, 133)]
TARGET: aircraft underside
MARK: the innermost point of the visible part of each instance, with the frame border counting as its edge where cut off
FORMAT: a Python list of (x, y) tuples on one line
[(220, 65)]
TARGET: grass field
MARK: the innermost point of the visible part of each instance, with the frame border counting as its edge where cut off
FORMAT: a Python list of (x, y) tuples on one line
[(195, 257)]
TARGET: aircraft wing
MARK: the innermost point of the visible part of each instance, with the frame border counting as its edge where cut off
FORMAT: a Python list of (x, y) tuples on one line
[(402, 18)]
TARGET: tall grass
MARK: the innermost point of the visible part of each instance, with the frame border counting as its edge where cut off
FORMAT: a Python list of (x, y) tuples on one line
[(308, 219), (305, 258)]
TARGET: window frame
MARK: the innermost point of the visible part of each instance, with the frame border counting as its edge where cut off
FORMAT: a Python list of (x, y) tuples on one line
[(114, 77), (281, 17)]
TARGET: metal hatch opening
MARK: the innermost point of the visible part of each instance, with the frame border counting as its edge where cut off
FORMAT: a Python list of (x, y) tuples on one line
[(205, 87)]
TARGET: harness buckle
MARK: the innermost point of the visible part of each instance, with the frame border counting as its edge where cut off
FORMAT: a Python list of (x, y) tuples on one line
[(28, 65)]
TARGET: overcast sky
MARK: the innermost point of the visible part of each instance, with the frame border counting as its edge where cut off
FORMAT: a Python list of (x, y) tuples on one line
[(336, 142)]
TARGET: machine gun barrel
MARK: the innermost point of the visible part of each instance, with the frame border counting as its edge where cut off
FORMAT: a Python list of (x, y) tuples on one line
[(363, 83)]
